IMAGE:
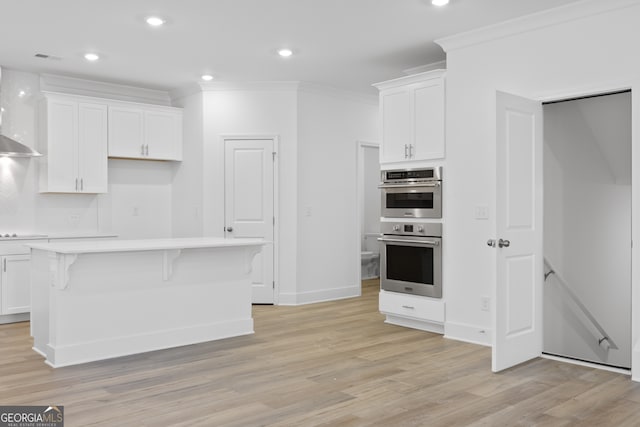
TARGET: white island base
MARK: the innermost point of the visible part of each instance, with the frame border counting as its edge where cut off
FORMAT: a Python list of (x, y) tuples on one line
[(99, 300)]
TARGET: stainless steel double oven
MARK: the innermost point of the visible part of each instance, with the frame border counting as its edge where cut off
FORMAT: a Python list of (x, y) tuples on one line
[(411, 249)]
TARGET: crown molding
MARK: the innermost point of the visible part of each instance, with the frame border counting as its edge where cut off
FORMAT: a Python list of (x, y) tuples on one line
[(571, 12), (415, 78), (317, 89), (439, 65), (225, 86), (77, 86), (291, 86)]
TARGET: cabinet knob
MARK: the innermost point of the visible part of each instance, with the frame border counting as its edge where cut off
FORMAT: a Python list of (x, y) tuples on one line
[(229, 229)]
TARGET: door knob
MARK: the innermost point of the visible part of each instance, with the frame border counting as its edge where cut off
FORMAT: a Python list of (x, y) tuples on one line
[(229, 229), (503, 243)]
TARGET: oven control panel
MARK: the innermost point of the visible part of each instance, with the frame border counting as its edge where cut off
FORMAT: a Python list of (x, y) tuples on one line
[(412, 229)]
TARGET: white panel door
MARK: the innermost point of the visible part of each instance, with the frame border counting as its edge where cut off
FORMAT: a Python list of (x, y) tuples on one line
[(249, 211), (518, 296), (16, 287), (92, 148)]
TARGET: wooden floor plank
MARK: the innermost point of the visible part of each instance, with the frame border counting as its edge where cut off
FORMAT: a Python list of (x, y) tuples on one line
[(327, 364)]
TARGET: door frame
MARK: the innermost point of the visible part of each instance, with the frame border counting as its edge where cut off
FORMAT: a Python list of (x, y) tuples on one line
[(276, 198), (360, 147), (634, 87)]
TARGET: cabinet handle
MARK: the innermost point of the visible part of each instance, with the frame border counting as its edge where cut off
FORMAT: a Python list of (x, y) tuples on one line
[(81, 184), (409, 307), (405, 151), (4, 265), (76, 184), (147, 151), (142, 149), (410, 151)]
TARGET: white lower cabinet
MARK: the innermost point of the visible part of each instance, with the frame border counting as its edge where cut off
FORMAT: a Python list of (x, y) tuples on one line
[(413, 311), (15, 295)]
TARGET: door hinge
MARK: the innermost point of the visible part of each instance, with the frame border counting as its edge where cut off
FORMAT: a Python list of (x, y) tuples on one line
[(274, 155)]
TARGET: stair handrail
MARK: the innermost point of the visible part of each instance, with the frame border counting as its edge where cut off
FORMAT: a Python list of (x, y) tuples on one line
[(605, 339)]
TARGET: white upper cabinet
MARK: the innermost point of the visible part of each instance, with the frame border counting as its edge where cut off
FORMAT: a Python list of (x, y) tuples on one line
[(145, 132), (73, 139), (413, 119)]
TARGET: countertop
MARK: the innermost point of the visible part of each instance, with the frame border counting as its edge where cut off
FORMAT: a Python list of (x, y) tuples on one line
[(101, 246)]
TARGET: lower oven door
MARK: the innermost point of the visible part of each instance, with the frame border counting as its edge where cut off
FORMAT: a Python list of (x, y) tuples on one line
[(412, 201), (411, 265)]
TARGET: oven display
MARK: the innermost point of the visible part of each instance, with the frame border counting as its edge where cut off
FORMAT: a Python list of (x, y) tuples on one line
[(408, 228), (416, 174)]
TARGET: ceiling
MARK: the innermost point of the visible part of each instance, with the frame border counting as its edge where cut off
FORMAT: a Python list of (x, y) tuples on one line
[(347, 44)]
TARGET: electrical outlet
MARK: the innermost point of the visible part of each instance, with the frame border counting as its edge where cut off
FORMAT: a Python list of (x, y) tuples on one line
[(485, 304), (481, 212)]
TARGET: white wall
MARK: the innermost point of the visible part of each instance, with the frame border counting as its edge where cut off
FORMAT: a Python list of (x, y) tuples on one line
[(316, 130), (551, 61), (145, 185), (587, 227), (328, 234), (188, 174), (269, 110)]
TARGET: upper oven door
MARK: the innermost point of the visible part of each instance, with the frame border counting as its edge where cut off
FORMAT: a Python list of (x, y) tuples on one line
[(412, 201)]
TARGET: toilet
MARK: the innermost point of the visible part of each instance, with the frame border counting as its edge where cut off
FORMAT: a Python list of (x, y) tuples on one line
[(370, 256)]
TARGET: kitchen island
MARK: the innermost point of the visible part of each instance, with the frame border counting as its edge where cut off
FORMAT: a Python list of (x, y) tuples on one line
[(96, 300)]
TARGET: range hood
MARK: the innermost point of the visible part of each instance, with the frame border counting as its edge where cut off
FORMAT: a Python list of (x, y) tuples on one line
[(10, 147)]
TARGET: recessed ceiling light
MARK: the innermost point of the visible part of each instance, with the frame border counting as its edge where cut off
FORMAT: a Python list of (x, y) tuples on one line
[(91, 56), (155, 21), (439, 2), (207, 77), (285, 53)]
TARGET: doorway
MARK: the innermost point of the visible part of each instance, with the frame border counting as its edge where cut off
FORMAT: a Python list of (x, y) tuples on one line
[(249, 206), (369, 209), (587, 229), (520, 264)]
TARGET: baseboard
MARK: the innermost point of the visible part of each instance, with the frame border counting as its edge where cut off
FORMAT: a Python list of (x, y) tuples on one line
[(467, 333), (324, 295), (84, 352), (14, 318)]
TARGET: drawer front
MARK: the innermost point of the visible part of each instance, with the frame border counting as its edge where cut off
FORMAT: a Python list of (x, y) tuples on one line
[(411, 306)]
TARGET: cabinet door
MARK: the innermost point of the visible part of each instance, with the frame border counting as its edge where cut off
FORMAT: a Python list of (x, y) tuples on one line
[(92, 148), (396, 125), (16, 286), (428, 119), (62, 141), (163, 135), (126, 132)]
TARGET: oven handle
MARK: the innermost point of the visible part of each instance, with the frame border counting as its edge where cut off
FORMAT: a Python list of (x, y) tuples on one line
[(421, 242), (425, 184)]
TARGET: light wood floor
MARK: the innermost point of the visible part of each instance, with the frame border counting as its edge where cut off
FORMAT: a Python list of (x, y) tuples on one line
[(329, 364)]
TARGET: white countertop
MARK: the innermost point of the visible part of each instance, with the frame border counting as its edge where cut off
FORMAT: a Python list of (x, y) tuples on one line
[(99, 246)]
